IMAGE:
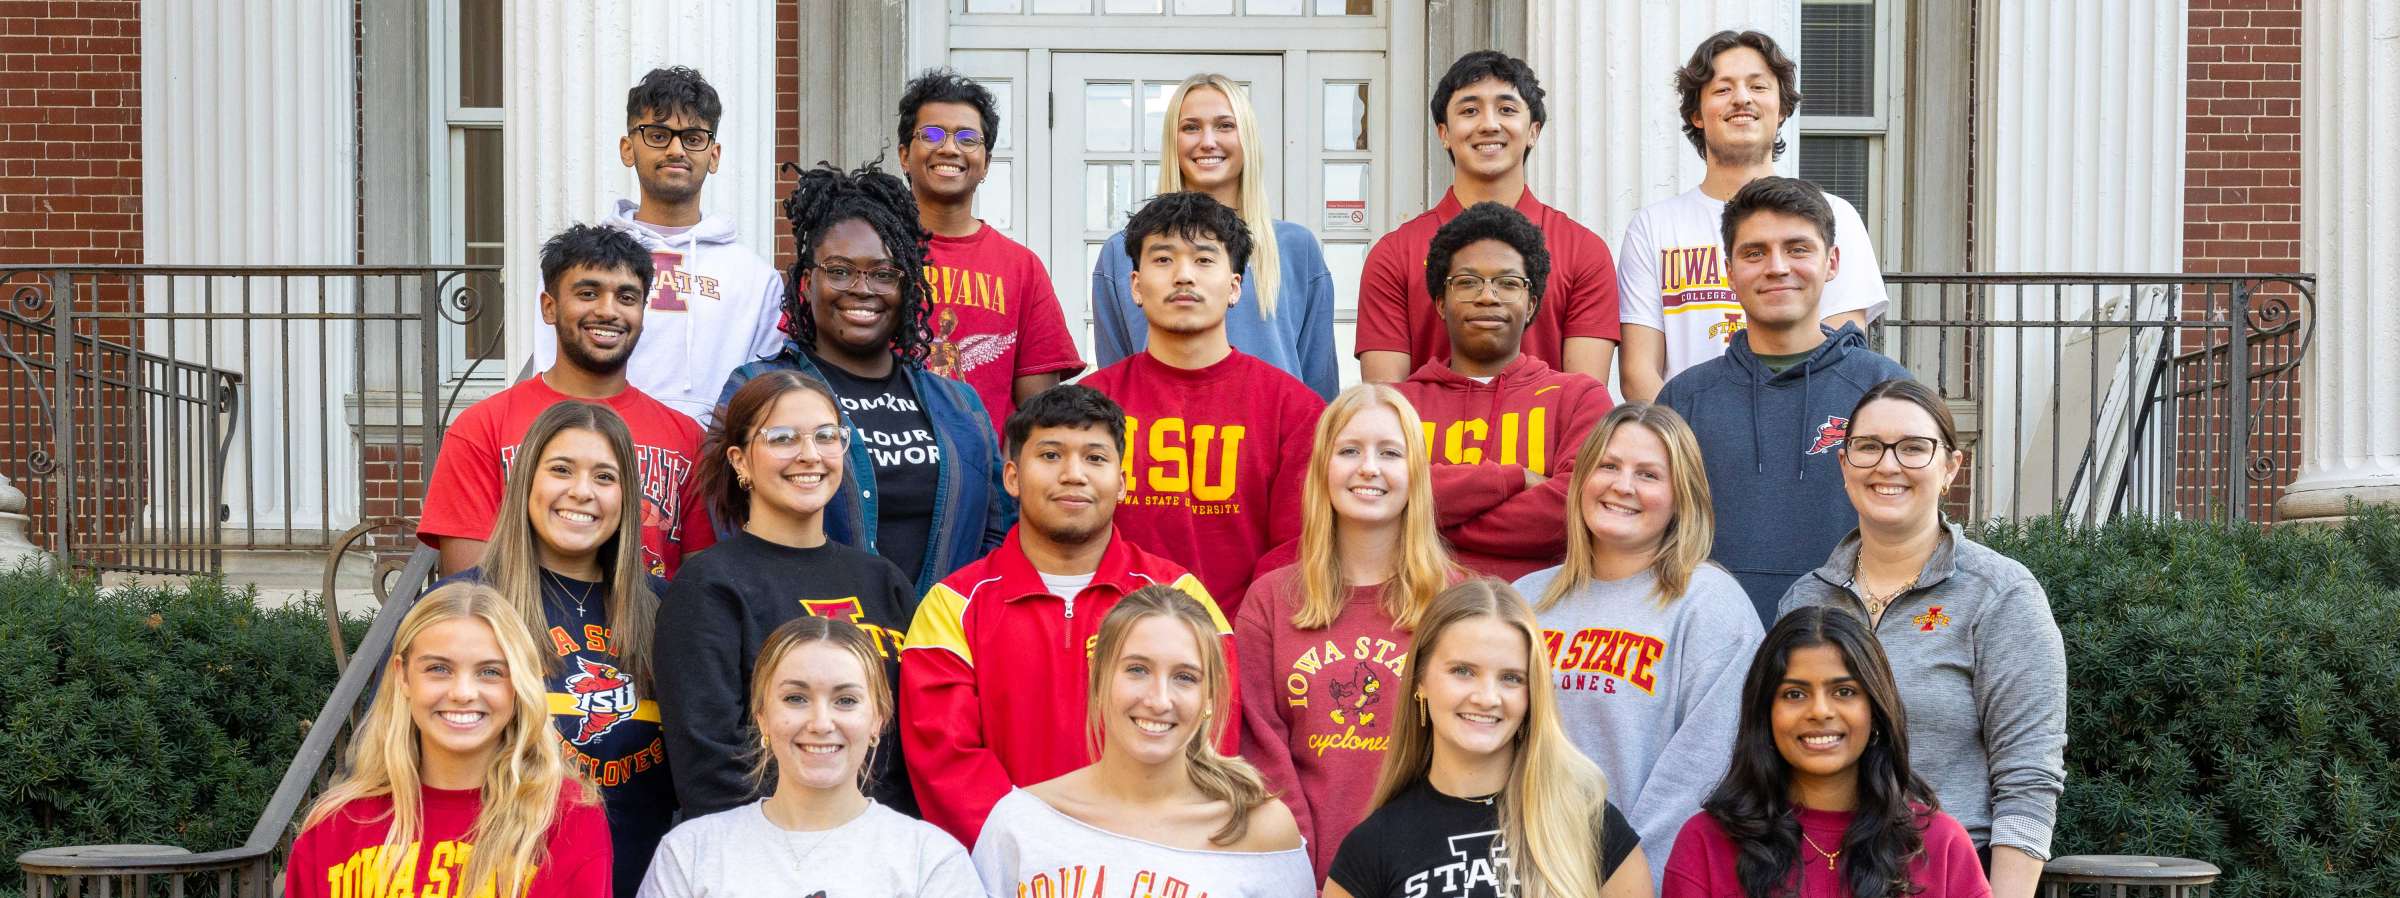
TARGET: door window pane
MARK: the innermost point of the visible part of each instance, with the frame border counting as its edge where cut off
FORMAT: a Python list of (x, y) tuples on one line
[(1108, 117), (482, 221), (1203, 7), (1346, 262), (1070, 7), (1837, 40), (1131, 6), (1001, 6), (479, 53), (1148, 185), (1345, 116), (1155, 95), (1838, 165), (1345, 7), (1345, 181), (993, 199), (1273, 7), (1107, 195), (1004, 98)]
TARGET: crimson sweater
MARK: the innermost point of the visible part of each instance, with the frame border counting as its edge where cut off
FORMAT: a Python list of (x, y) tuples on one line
[(1321, 703), (1703, 863), (1484, 438), (994, 674), (1213, 462), (342, 855)]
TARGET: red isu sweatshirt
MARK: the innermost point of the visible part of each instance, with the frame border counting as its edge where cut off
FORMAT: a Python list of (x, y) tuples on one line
[(995, 671), (1213, 462), (343, 855), (1484, 437)]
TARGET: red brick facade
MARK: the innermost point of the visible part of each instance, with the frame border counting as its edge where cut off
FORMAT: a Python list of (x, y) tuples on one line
[(70, 168)]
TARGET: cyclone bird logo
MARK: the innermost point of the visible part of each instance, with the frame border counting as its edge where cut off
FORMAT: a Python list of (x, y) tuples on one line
[(604, 695)]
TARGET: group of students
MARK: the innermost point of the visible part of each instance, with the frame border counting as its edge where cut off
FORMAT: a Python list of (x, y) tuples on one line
[(829, 586)]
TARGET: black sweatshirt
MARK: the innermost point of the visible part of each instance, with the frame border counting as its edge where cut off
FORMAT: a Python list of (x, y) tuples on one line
[(711, 625)]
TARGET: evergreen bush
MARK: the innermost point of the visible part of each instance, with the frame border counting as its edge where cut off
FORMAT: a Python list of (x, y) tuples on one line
[(147, 715), (2234, 696)]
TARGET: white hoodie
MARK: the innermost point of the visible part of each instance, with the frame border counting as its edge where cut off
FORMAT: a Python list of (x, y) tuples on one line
[(713, 305)]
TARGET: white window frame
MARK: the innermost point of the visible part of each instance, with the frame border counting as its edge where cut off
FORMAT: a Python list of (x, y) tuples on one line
[(1885, 129), (445, 160)]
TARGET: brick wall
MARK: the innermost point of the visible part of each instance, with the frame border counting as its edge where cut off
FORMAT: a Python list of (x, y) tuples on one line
[(787, 118), (70, 166)]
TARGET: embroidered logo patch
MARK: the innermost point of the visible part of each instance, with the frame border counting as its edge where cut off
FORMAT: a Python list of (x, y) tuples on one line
[(1830, 434), (1933, 619)]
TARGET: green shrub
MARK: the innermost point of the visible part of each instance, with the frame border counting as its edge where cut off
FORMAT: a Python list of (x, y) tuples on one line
[(145, 714), (2234, 696)]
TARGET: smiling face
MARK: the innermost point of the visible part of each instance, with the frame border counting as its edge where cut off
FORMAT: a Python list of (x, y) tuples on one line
[(1066, 481), (458, 691), (1779, 267), (1158, 692), (1184, 284), (946, 172), (1740, 109), (1475, 689), (1889, 496), (578, 492), (1629, 498), (1822, 720), (1208, 141), (854, 322), (669, 174), (1488, 128), (819, 720), (790, 476), (597, 313), (1367, 474), (1487, 326)]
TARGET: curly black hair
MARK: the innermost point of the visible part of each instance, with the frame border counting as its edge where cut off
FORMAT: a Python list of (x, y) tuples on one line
[(671, 90), (1194, 216), (827, 196), (946, 86), (1702, 68), (1488, 221)]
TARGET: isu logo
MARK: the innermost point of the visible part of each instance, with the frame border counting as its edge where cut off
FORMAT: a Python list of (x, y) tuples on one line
[(1933, 619), (1830, 434), (603, 695), (1723, 331)]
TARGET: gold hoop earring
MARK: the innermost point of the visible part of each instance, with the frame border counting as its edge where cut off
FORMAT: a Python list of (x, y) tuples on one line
[(742, 480)]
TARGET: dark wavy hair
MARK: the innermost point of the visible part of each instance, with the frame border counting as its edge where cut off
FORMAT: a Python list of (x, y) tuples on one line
[(594, 246), (1065, 405), (1753, 804), (946, 86), (735, 422), (1194, 216), (1702, 68), (1488, 221), (1773, 193), (827, 196), (671, 90), (1483, 64)]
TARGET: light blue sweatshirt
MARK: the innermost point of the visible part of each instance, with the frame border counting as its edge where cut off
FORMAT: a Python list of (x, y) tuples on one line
[(1299, 339)]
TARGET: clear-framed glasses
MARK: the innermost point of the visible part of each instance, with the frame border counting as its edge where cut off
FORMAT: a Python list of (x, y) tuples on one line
[(1912, 452), (783, 443), (968, 139), (880, 279), (1509, 286), (657, 137)]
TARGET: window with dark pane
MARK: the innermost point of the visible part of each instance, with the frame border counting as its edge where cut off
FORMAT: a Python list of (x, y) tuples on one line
[(1837, 57), (1837, 165), (479, 53)]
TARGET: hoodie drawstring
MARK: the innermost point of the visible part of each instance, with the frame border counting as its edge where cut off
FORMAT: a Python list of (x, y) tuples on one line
[(1804, 405), (1758, 451)]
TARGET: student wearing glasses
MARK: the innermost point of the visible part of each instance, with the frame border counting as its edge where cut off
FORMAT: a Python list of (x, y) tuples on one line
[(996, 321), (922, 487), (714, 302)]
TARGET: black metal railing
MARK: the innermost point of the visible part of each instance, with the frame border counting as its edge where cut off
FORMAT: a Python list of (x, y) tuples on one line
[(158, 416)]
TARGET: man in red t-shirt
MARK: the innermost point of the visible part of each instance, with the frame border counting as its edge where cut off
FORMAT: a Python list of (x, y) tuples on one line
[(596, 281), (1487, 111), (996, 321), (1217, 440)]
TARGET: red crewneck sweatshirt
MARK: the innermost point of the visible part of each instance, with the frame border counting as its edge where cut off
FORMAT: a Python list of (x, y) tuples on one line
[(1484, 437), (1701, 864), (342, 856), (1213, 462)]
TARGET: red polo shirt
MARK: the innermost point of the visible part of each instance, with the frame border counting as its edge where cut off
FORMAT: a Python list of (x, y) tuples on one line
[(1396, 313)]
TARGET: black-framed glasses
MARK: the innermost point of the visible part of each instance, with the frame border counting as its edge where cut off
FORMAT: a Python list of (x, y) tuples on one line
[(783, 443), (880, 279), (968, 138), (694, 140), (1509, 286), (1911, 452)]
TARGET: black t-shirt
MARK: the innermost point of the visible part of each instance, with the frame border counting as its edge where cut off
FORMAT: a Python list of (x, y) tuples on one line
[(711, 625), (1425, 844), (899, 438)]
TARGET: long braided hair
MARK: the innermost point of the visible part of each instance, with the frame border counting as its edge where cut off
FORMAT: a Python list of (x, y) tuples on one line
[(827, 196)]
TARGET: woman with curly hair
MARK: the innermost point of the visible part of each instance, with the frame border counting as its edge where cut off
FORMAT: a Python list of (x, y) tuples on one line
[(923, 485)]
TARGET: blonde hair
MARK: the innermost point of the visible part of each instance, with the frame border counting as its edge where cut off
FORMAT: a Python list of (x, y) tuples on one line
[(1424, 565), (1227, 779), (786, 639), (1553, 806), (1266, 259), (520, 786), (1690, 533), (512, 561)]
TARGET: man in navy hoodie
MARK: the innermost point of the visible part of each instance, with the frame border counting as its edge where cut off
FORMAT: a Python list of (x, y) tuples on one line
[(1770, 411)]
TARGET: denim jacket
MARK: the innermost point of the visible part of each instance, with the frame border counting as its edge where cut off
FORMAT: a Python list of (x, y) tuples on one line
[(971, 514)]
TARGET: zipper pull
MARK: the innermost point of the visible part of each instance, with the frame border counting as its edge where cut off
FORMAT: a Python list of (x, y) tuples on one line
[(1070, 607)]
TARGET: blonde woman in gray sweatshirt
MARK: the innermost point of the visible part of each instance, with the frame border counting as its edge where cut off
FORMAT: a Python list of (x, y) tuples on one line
[(1978, 657), (1648, 639)]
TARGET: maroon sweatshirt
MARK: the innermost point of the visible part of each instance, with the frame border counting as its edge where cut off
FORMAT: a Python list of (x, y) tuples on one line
[(1484, 437)]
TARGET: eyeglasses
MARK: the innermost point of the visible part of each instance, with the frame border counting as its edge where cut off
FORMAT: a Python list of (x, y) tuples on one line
[(694, 140), (883, 279), (783, 443), (968, 138), (1912, 452), (1509, 286)]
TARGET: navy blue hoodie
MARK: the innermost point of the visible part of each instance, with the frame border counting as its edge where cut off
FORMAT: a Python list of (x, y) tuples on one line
[(1769, 441)]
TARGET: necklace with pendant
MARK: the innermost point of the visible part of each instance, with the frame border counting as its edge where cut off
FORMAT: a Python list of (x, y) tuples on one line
[(1829, 855), (579, 598)]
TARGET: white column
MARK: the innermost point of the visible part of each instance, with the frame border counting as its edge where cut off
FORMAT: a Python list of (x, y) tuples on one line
[(2350, 219), (569, 66), (1614, 142)]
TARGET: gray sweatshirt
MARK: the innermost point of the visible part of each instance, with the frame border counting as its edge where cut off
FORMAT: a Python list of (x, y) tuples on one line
[(739, 853), (1653, 695), (1031, 848), (1983, 673)]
